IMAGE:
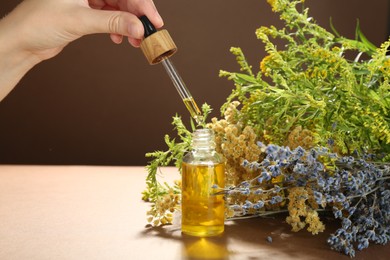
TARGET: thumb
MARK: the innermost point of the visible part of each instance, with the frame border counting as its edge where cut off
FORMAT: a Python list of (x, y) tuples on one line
[(113, 22)]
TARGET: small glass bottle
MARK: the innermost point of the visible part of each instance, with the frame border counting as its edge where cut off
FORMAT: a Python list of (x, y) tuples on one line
[(203, 169)]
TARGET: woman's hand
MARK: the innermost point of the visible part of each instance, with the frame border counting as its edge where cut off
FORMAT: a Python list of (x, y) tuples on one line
[(37, 30), (45, 27), (136, 7)]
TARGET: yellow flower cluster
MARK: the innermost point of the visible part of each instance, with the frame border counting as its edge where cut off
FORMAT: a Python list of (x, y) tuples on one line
[(161, 212), (264, 67), (328, 57), (272, 3), (330, 62), (236, 144), (379, 127), (279, 5), (297, 207), (385, 69)]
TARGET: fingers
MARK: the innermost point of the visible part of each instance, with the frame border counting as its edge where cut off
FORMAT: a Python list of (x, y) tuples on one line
[(145, 7), (116, 38), (121, 23), (116, 23), (135, 7), (134, 42)]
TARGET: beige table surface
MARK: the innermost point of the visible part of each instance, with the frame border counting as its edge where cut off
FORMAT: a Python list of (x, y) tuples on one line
[(94, 212)]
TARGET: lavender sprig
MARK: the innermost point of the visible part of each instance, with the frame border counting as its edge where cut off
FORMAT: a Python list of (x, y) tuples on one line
[(355, 189)]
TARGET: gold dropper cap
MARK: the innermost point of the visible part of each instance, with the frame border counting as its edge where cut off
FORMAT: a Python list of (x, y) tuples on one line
[(156, 45)]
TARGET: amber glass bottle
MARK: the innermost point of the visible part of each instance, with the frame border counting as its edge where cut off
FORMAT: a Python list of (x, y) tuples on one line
[(203, 172)]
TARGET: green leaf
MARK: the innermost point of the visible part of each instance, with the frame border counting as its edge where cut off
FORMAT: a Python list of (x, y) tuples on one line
[(364, 39), (244, 78)]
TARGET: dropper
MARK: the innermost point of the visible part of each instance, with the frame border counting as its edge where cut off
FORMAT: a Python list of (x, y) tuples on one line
[(158, 46)]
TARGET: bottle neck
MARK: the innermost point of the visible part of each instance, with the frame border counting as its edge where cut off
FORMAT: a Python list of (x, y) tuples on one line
[(203, 140)]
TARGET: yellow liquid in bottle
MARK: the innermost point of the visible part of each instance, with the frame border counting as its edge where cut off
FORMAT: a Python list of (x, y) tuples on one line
[(193, 109), (203, 212)]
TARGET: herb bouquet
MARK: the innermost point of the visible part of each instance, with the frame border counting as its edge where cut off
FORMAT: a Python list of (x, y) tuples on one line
[(309, 133)]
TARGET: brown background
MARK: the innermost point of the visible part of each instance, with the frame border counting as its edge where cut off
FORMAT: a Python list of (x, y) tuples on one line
[(100, 103)]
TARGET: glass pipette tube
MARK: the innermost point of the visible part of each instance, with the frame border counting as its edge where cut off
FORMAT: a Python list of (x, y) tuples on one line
[(185, 95)]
